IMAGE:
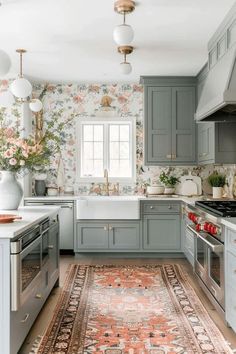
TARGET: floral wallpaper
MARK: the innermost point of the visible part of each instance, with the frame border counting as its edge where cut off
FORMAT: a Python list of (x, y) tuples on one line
[(63, 104)]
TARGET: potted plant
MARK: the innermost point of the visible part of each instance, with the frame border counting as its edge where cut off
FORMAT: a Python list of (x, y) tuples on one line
[(169, 181), (217, 181)]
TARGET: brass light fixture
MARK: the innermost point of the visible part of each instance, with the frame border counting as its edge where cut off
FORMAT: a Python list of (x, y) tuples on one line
[(123, 34), (124, 6)]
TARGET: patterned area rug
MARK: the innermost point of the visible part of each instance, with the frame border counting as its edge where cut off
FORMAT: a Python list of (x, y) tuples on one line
[(130, 310)]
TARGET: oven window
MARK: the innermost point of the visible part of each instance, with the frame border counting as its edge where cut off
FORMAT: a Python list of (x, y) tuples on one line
[(200, 251), (214, 269), (30, 266)]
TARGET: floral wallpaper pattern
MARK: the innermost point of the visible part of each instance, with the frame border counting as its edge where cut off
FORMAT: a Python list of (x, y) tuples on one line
[(65, 103)]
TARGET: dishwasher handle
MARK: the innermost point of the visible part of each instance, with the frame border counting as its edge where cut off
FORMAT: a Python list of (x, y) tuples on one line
[(61, 205)]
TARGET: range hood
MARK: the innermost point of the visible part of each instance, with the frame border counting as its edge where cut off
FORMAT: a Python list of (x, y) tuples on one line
[(218, 98)]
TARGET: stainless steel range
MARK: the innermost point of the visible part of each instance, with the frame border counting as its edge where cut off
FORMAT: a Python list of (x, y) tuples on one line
[(208, 234)]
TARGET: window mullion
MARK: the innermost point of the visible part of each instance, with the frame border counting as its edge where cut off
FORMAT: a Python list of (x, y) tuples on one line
[(106, 146)]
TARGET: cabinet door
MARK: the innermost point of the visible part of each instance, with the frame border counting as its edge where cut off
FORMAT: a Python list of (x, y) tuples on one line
[(206, 142), (162, 233), (157, 125), (183, 124), (92, 236), (124, 236)]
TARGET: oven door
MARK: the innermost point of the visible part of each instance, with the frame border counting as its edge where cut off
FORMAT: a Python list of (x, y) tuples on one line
[(200, 255), (25, 272), (216, 278)]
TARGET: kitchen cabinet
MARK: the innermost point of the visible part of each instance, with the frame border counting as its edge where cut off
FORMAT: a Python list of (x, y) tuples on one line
[(161, 226), (107, 236), (161, 233), (230, 277), (216, 143), (169, 127)]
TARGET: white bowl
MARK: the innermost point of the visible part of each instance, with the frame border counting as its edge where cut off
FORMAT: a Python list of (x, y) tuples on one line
[(52, 192), (155, 190)]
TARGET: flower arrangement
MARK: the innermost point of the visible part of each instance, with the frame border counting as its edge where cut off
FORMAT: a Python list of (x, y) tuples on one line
[(18, 154)]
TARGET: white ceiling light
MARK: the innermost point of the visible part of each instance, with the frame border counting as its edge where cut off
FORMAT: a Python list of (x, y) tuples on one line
[(21, 88), (124, 34), (35, 105), (5, 63), (6, 99), (125, 67)]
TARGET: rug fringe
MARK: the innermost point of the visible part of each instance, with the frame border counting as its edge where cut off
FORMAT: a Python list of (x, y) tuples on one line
[(36, 345)]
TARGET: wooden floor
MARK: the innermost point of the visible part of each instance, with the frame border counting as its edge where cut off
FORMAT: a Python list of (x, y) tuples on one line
[(47, 312)]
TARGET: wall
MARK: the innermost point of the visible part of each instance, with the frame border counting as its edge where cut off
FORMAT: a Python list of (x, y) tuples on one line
[(65, 103)]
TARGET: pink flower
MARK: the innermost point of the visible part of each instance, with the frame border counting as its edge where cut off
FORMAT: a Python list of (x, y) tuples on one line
[(8, 153), (25, 154), (13, 161)]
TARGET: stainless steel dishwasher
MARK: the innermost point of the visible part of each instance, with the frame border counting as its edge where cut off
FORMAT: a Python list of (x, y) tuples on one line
[(66, 220)]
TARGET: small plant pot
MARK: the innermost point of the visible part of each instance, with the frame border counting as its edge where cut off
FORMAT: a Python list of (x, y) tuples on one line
[(217, 192), (169, 190)]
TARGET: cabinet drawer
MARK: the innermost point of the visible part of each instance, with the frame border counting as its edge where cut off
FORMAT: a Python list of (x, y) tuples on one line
[(22, 320), (153, 208), (231, 240), (231, 269), (231, 307)]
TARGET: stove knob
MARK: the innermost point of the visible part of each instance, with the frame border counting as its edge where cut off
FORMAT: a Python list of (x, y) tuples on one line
[(214, 230), (198, 227), (206, 225), (189, 216)]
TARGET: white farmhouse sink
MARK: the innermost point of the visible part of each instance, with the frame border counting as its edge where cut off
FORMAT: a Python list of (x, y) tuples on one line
[(102, 207)]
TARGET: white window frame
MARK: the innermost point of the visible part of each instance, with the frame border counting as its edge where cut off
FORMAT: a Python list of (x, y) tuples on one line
[(101, 120)]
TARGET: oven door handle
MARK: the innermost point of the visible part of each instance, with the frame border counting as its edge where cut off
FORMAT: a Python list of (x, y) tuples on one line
[(218, 247)]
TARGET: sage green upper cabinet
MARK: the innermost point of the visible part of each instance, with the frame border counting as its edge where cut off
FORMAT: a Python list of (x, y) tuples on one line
[(216, 143), (169, 127)]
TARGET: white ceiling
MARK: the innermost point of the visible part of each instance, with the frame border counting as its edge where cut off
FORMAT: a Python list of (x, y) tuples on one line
[(71, 40)]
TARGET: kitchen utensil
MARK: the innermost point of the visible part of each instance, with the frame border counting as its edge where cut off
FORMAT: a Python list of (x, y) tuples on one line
[(8, 218)]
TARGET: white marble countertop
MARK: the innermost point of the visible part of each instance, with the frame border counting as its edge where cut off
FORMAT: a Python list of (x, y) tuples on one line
[(229, 222), (30, 217), (58, 198)]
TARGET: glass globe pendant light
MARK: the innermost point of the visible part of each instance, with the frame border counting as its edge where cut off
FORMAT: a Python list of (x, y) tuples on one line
[(35, 105), (123, 34), (21, 88), (125, 66)]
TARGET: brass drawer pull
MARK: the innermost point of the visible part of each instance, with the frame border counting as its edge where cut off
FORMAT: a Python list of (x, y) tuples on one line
[(50, 247), (151, 207), (169, 156), (38, 296)]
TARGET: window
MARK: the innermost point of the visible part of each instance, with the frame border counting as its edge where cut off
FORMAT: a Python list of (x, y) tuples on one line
[(106, 145)]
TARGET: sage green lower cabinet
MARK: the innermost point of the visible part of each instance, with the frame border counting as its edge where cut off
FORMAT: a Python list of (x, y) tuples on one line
[(230, 277), (124, 236), (107, 236), (162, 233), (92, 236)]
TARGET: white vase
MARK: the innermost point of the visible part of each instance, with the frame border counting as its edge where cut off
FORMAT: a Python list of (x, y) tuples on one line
[(11, 191), (217, 192)]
